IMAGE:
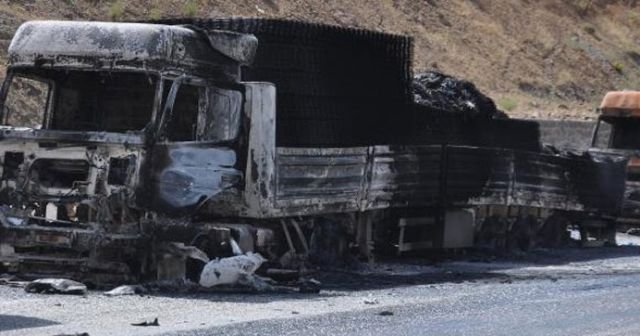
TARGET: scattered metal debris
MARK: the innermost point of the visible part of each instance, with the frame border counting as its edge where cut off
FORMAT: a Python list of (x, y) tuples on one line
[(229, 271), (126, 290), (180, 250), (153, 323), (310, 286), (255, 282), (634, 231), (56, 286), (12, 281), (286, 275)]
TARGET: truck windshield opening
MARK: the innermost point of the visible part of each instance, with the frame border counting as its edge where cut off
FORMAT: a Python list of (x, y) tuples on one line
[(80, 100), (626, 135)]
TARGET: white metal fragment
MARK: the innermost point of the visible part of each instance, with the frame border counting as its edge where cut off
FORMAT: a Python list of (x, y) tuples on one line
[(228, 271)]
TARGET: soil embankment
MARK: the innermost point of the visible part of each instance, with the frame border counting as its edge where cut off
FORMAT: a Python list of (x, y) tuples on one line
[(537, 59)]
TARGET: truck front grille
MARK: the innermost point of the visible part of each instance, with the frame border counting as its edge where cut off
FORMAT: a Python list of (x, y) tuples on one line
[(59, 173)]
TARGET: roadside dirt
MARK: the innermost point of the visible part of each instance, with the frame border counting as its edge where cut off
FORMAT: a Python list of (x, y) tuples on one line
[(370, 290)]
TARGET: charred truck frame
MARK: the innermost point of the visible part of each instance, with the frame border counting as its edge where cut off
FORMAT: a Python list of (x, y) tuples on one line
[(617, 132), (130, 149)]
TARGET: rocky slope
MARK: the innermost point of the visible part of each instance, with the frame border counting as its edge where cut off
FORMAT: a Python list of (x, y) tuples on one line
[(537, 59)]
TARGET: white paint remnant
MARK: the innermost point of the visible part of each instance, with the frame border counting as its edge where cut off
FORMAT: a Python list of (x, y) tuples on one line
[(228, 271)]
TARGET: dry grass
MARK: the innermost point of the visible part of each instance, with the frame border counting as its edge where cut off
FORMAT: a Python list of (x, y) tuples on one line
[(496, 44)]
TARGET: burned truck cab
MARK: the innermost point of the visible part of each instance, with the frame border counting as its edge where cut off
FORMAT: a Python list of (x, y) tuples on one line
[(617, 132), (106, 127)]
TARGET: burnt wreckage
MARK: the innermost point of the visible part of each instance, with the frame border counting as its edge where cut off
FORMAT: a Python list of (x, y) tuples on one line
[(616, 132), (129, 148)]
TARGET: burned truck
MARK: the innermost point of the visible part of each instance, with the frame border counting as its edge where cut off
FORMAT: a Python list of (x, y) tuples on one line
[(131, 150), (617, 132)]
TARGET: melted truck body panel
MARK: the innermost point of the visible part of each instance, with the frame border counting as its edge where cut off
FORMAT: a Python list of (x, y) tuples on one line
[(125, 46)]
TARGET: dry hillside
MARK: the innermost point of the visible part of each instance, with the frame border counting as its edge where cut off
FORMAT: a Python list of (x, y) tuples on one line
[(536, 58)]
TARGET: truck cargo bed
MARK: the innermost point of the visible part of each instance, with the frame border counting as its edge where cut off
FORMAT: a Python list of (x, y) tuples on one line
[(314, 180)]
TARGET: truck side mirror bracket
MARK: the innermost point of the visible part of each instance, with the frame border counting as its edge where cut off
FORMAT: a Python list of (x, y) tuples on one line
[(168, 107), (594, 135)]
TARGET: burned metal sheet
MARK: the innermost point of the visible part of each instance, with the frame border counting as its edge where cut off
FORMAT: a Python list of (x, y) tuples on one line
[(239, 47), (117, 41), (55, 136), (314, 181), (192, 175), (321, 177), (598, 181), (519, 178), (356, 179), (125, 46), (406, 176), (631, 205)]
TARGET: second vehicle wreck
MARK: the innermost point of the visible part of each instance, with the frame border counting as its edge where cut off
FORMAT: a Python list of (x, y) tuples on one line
[(129, 149), (616, 132)]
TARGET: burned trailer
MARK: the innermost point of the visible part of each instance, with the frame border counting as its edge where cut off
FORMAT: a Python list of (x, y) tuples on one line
[(499, 188), (135, 151), (530, 198)]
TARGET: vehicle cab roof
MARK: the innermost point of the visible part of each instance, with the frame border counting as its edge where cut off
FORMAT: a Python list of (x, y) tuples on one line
[(86, 44), (621, 104)]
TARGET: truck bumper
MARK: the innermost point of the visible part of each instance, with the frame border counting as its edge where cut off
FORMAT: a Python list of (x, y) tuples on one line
[(91, 256)]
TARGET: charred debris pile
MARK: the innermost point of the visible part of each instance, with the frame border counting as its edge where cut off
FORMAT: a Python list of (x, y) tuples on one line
[(452, 111), (442, 92)]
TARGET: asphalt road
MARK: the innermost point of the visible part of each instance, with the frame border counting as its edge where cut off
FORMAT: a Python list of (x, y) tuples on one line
[(569, 292), (593, 306)]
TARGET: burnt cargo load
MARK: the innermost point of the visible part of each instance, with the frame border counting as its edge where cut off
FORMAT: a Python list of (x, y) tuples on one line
[(129, 150), (336, 86)]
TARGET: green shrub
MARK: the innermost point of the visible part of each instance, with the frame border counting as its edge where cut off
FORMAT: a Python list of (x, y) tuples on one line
[(116, 10), (155, 14), (190, 8), (585, 5), (618, 67), (590, 30), (508, 104)]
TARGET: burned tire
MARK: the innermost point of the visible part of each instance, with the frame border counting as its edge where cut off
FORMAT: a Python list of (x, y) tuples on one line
[(553, 232), (329, 242), (610, 233), (603, 231), (493, 233), (522, 234)]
